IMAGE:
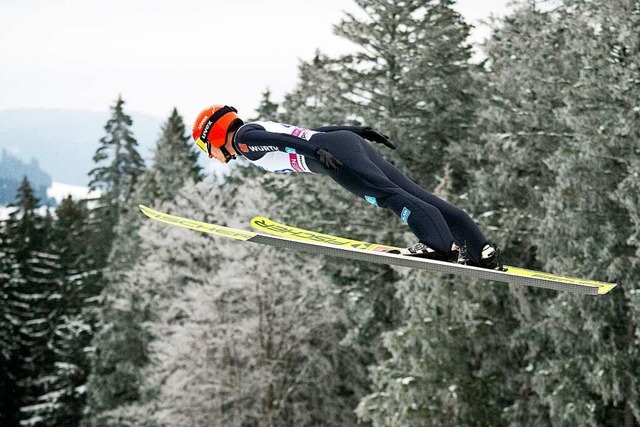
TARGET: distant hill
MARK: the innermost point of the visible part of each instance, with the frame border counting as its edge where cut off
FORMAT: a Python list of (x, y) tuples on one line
[(63, 142), (13, 171)]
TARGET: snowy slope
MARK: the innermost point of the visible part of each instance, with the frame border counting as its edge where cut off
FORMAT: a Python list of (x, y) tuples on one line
[(58, 191)]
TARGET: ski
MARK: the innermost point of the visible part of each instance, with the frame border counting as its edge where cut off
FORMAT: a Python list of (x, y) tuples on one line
[(511, 274), (282, 236)]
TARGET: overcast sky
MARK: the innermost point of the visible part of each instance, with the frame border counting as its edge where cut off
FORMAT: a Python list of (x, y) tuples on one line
[(80, 54)]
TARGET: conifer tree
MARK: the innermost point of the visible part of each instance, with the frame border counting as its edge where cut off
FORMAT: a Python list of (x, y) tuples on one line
[(28, 291), (116, 377), (175, 162), (238, 340), (317, 99), (519, 127), (545, 180), (590, 374), (369, 305), (62, 400), (519, 131), (412, 81), (118, 163), (267, 109), (411, 78), (10, 399), (119, 171)]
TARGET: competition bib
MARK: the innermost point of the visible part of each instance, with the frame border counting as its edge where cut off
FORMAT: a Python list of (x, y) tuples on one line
[(281, 162)]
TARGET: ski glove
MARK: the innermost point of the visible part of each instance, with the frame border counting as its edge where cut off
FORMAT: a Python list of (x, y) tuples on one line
[(375, 136), (327, 160)]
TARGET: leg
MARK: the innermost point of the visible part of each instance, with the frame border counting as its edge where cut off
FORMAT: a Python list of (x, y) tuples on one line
[(463, 228), (361, 176)]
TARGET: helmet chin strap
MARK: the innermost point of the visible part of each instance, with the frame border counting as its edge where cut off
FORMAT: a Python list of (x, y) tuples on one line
[(227, 155)]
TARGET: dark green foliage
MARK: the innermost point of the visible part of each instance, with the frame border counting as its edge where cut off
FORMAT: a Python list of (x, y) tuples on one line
[(118, 170), (10, 374), (119, 174), (555, 164), (411, 77), (267, 110), (175, 162), (119, 347), (116, 370), (118, 163), (588, 225), (73, 319), (28, 285), (116, 374)]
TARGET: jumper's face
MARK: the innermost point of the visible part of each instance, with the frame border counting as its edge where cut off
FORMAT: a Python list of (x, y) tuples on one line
[(216, 153)]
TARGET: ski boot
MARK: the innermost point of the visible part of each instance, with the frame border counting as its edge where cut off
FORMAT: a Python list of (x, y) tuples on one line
[(420, 250), (489, 257)]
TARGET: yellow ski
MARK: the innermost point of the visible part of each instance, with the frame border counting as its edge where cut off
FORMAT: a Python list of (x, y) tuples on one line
[(268, 226), (218, 230), (275, 228), (283, 236)]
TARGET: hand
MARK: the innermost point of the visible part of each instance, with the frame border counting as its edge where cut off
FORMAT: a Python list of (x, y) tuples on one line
[(378, 137), (327, 160)]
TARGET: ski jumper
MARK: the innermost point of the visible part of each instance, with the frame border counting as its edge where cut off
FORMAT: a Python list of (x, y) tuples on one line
[(283, 148)]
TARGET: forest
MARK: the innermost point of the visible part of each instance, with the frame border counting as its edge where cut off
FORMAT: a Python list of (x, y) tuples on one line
[(109, 319)]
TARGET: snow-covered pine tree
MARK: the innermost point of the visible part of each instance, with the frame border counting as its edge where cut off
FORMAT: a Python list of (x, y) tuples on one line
[(410, 77), (267, 109), (317, 99), (243, 334), (519, 129), (28, 291), (118, 163), (175, 161), (414, 79), (73, 320), (559, 99), (175, 165), (119, 169), (364, 293), (589, 373), (10, 399)]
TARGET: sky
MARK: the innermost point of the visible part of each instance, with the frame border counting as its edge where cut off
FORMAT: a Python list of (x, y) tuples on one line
[(161, 54)]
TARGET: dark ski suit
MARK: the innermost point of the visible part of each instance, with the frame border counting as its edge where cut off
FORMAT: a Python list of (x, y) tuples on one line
[(283, 148)]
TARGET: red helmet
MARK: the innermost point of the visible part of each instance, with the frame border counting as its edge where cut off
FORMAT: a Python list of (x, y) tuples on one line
[(212, 125)]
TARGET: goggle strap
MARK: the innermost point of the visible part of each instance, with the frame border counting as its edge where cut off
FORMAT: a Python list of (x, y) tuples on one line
[(214, 118)]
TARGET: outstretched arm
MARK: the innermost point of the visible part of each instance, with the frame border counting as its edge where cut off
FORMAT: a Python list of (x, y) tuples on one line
[(366, 132), (253, 139), (355, 129)]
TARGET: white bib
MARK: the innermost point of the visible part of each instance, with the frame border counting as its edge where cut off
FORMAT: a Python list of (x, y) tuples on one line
[(284, 162), (279, 162)]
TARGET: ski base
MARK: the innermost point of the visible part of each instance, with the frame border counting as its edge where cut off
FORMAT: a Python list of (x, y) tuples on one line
[(282, 230), (286, 237)]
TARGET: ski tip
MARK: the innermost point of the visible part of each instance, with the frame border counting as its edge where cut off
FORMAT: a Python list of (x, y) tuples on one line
[(604, 289), (147, 211), (259, 220)]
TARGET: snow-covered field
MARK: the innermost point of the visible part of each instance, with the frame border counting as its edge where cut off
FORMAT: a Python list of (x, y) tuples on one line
[(60, 191), (57, 191)]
